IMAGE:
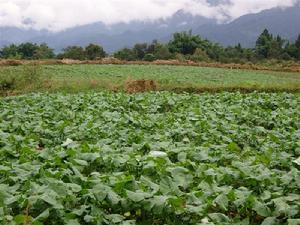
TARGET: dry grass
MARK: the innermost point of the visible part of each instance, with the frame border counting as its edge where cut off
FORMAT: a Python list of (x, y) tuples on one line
[(270, 66), (138, 86)]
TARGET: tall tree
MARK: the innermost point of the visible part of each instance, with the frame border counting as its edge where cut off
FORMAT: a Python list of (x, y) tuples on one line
[(263, 44), (10, 51), (140, 50), (185, 43), (43, 52), (125, 54), (27, 50), (93, 51), (73, 52), (276, 47), (297, 43)]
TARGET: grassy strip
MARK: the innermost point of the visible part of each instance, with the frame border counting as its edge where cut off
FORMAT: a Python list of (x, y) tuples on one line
[(87, 86)]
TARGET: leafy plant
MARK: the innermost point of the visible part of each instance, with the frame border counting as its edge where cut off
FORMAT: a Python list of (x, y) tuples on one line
[(152, 158)]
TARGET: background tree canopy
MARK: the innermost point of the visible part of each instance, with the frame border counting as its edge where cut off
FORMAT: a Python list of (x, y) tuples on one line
[(182, 46)]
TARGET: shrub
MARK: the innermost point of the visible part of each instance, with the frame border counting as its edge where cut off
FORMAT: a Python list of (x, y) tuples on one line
[(149, 57), (31, 75), (199, 56), (28, 78), (7, 80)]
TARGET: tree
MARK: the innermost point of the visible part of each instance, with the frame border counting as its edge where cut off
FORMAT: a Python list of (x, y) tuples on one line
[(140, 50), (162, 52), (125, 54), (10, 52), (159, 51), (153, 47), (185, 43), (73, 52), (27, 50), (263, 44), (297, 43), (215, 52), (93, 52), (293, 49), (199, 56), (43, 52), (149, 57), (276, 49)]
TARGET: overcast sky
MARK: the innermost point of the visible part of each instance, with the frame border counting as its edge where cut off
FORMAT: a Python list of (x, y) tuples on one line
[(60, 14)]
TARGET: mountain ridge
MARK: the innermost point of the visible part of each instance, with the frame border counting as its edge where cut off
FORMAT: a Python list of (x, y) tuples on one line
[(244, 30)]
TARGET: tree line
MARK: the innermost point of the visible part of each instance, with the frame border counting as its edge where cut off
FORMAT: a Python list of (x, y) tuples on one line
[(183, 46)]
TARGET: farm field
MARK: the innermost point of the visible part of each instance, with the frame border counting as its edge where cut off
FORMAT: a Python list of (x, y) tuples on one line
[(169, 78), (151, 158)]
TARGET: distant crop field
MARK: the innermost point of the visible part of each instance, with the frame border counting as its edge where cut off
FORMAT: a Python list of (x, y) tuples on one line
[(171, 78), (151, 158)]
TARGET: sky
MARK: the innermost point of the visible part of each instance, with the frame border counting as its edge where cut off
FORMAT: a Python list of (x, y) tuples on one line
[(56, 15)]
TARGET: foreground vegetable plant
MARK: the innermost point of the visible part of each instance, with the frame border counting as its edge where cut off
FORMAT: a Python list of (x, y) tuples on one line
[(156, 158)]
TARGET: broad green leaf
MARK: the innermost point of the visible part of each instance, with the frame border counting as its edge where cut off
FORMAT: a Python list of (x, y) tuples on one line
[(297, 161), (44, 215), (73, 222), (219, 218), (222, 201), (135, 196), (270, 221), (261, 209), (158, 154), (293, 221), (67, 142)]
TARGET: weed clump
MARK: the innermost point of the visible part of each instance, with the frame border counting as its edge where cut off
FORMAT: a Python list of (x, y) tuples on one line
[(138, 86), (29, 78)]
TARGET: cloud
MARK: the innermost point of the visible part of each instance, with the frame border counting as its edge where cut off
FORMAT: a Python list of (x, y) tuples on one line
[(57, 15)]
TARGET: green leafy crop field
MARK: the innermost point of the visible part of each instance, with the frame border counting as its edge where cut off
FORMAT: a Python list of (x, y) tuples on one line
[(152, 158), (169, 78)]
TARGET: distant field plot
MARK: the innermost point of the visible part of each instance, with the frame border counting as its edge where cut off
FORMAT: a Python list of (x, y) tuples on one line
[(181, 78), (152, 158), (176, 76)]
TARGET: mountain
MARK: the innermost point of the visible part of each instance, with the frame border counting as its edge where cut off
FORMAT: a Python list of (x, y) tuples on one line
[(244, 30), (111, 37), (122, 35), (10, 35)]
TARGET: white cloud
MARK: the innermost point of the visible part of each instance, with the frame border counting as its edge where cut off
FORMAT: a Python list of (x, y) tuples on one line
[(60, 14)]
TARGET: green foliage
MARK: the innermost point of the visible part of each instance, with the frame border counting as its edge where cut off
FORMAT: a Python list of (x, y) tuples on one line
[(27, 51), (125, 54), (294, 49), (7, 80), (162, 52), (43, 52), (268, 46), (30, 77), (93, 52), (155, 158), (199, 56), (185, 43), (149, 57), (90, 52), (140, 50), (191, 47), (73, 52), (10, 52), (297, 42)]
